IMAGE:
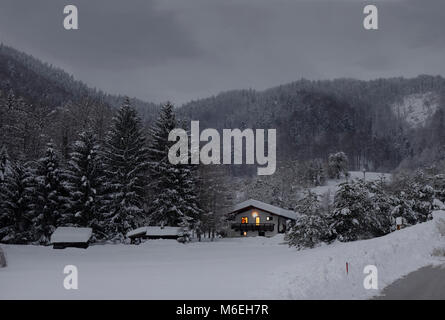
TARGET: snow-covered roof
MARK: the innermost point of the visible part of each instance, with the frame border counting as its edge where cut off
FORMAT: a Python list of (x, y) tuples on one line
[(266, 207), (71, 235), (155, 231)]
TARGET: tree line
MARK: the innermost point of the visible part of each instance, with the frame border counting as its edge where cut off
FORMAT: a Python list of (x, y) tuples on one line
[(366, 209), (112, 185)]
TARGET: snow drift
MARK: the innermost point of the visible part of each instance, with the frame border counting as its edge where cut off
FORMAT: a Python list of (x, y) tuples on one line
[(320, 273)]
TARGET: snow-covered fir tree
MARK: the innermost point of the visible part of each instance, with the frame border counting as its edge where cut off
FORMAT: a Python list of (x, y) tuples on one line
[(414, 197), (4, 163), (308, 231), (52, 196), (17, 199), (338, 165), (311, 226), (85, 176), (315, 172), (403, 207), (351, 204), (125, 157), (189, 201), (175, 200), (423, 196), (378, 220), (309, 204)]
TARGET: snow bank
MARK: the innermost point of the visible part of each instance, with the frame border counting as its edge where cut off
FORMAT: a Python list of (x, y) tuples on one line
[(71, 235), (321, 273)]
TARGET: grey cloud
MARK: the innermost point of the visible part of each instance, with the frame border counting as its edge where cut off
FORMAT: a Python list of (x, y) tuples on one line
[(180, 50)]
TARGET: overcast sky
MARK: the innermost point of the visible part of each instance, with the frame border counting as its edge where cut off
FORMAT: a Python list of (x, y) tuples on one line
[(179, 50)]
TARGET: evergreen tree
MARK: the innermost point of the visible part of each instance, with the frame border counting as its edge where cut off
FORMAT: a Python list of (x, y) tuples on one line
[(125, 158), (52, 196), (15, 216), (214, 199), (175, 200), (338, 165), (309, 204), (308, 231), (378, 220), (351, 204), (314, 173), (85, 182), (4, 164), (403, 207)]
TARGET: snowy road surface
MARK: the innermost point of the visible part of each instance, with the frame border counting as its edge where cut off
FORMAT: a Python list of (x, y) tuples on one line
[(426, 283), (242, 268)]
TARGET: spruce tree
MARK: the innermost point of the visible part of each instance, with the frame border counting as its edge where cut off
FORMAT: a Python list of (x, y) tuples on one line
[(85, 177), (309, 204), (308, 231), (4, 164), (173, 187), (16, 216), (125, 158), (351, 204), (52, 196), (5, 169)]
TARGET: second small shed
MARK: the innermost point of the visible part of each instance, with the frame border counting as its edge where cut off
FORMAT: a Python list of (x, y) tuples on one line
[(154, 233)]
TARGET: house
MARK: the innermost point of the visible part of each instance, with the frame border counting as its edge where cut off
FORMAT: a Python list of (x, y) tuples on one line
[(256, 218), (154, 233), (64, 237)]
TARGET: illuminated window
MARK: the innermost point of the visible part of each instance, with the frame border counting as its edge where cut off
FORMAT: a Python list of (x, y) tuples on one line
[(269, 218), (257, 221), (244, 220)]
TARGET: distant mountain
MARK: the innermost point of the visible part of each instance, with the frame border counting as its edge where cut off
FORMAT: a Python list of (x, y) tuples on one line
[(41, 84), (379, 123)]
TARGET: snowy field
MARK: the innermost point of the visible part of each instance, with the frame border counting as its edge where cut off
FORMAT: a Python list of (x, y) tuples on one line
[(247, 268)]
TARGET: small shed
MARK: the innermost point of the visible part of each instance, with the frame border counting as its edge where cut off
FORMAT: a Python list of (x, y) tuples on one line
[(154, 232), (64, 237)]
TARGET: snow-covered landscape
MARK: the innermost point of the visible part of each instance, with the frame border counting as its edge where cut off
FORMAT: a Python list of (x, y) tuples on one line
[(194, 150), (239, 268)]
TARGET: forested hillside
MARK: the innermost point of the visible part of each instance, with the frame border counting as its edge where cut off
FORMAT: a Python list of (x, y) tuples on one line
[(39, 103), (361, 118)]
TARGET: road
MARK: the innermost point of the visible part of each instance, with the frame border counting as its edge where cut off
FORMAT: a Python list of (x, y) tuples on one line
[(427, 283)]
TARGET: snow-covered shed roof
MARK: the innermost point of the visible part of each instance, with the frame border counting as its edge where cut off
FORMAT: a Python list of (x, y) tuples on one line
[(71, 235), (265, 207), (155, 231)]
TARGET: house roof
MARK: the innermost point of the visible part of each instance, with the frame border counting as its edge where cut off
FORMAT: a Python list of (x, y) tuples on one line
[(266, 207), (154, 231), (71, 235)]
